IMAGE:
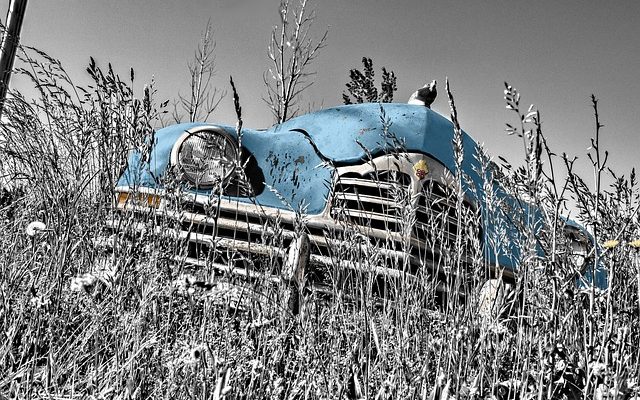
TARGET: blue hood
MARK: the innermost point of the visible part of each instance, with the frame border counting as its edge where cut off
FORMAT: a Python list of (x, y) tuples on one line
[(295, 156)]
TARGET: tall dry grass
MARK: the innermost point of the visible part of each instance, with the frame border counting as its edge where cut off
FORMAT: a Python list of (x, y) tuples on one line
[(131, 323)]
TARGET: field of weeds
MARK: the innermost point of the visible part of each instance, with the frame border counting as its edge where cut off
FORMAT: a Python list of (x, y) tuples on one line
[(82, 322)]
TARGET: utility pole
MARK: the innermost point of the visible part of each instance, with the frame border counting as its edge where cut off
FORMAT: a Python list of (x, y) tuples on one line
[(10, 40)]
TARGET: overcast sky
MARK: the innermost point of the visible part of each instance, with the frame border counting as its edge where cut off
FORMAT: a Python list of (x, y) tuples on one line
[(555, 52)]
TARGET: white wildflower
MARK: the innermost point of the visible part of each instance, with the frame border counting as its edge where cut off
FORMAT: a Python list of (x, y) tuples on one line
[(184, 284), (83, 282), (561, 365), (39, 301), (35, 227), (598, 368)]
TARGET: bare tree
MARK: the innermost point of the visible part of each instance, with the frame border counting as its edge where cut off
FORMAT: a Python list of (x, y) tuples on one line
[(203, 98), (291, 50)]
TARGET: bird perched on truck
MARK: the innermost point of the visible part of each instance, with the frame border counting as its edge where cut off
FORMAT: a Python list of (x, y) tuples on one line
[(425, 95)]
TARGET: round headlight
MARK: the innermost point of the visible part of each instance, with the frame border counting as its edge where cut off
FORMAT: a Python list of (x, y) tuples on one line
[(206, 158)]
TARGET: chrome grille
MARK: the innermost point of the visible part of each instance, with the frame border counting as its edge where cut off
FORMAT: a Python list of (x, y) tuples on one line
[(376, 200), (223, 238), (383, 200)]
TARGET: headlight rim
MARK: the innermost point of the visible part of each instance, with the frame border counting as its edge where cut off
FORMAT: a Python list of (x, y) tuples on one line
[(205, 129)]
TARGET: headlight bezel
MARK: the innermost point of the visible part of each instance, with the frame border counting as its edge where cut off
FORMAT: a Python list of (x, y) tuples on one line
[(194, 176)]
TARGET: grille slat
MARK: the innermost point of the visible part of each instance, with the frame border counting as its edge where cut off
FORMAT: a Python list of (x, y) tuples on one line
[(372, 201), (345, 196), (243, 272)]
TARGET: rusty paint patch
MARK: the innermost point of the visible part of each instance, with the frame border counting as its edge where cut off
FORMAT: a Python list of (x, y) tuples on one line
[(365, 130)]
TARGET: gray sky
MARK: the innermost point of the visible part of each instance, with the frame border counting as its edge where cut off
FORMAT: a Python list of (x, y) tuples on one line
[(555, 52)]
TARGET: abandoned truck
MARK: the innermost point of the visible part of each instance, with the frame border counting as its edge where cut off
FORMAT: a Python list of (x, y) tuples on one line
[(361, 189)]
